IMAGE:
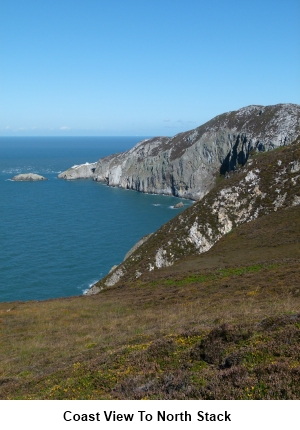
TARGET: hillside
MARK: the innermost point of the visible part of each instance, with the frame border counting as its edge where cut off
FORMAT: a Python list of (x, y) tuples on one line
[(186, 165), (220, 324), (268, 183)]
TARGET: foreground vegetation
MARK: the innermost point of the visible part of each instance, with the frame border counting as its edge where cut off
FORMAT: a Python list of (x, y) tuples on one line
[(221, 325)]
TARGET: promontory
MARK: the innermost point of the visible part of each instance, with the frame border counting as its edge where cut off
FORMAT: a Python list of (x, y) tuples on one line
[(186, 165)]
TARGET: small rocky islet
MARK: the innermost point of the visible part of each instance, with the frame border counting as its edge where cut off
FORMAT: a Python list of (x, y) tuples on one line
[(178, 205), (29, 177)]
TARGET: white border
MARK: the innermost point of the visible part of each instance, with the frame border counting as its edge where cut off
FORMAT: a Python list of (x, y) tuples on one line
[(49, 414)]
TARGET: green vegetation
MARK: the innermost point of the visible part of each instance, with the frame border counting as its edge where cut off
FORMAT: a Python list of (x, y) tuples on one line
[(201, 278)]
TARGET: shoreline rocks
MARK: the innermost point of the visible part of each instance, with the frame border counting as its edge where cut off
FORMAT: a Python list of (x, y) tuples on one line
[(178, 205), (81, 171)]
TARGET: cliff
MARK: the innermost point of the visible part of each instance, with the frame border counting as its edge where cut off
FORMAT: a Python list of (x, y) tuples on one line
[(268, 183), (186, 165), (80, 171)]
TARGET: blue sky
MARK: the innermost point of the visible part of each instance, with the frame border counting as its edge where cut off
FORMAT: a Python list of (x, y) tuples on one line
[(129, 67)]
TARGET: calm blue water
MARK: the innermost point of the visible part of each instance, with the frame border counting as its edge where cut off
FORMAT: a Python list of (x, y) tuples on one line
[(58, 237)]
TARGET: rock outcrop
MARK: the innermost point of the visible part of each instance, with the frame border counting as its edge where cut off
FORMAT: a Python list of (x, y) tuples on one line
[(186, 165), (28, 177), (267, 183), (137, 245), (81, 171), (178, 205)]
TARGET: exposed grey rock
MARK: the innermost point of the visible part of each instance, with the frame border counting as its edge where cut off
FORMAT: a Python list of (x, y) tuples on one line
[(94, 289), (296, 201), (115, 277), (81, 171), (28, 177), (295, 166), (137, 245), (178, 205), (117, 274), (186, 165), (113, 268)]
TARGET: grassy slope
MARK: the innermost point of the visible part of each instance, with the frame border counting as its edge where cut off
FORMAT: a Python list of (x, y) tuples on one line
[(224, 324), (275, 179)]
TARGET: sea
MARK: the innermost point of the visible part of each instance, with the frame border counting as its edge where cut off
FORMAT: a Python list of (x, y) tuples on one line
[(59, 237)]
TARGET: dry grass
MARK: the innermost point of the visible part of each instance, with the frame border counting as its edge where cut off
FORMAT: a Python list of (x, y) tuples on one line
[(163, 336)]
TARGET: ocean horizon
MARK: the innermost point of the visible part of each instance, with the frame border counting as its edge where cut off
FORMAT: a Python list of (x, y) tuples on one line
[(59, 237)]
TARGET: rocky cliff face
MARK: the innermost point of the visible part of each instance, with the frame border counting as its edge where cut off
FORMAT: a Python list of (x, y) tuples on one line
[(267, 183), (186, 164), (81, 171)]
